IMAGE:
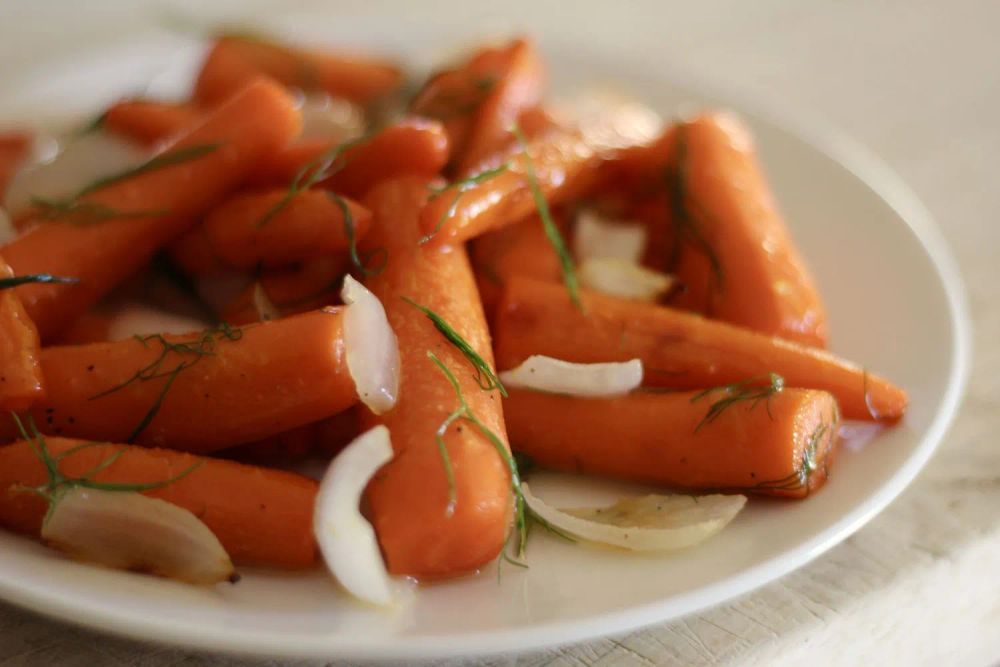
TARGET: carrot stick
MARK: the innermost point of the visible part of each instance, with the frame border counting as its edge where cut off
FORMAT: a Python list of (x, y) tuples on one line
[(411, 147), (291, 291), (150, 122), (20, 371), (679, 350), (209, 391), (261, 516), (564, 166), (518, 250), (14, 149), (409, 498), (102, 253), (235, 60), (518, 89), (780, 446), (268, 229)]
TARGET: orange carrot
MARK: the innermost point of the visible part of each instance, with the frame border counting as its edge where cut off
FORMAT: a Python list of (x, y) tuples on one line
[(234, 60), (564, 166), (14, 148), (409, 497), (780, 446), (94, 326), (519, 88), (679, 350), (201, 392), (157, 206), (150, 122), (261, 516), (411, 147), (291, 291), (269, 229), (20, 371)]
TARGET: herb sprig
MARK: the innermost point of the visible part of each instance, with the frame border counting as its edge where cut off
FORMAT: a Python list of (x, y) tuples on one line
[(460, 187), (551, 230), (15, 281), (58, 483), (190, 353), (751, 390), (799, 478), (485, 377), (362, 263)]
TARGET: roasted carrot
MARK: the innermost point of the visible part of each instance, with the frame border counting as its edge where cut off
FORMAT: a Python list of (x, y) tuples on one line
[(778, 445), (519, 88), (679, 350), (20, 370), (149, 121), (411, 147), (564, 165), (269, 229), (234, 60), (410, 497), (147, 209), (261, 516), (312, 285), (199, 393), (519, 250), (14, 148)]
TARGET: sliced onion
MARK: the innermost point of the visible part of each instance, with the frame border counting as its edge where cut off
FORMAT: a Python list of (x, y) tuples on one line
[(130, 531), (266, 310), (372, 350), (563, 377), (325, 117), (142, 320), (346, 540), (647, 523), (623, 279), (81, 162), (596, 237)]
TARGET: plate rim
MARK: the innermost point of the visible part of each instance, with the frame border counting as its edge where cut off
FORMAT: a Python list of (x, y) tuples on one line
[(804, 124)]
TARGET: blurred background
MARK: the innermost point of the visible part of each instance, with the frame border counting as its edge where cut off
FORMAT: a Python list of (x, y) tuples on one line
[(916, 82)]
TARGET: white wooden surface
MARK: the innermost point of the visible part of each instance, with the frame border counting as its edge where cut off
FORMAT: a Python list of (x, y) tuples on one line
[(919, 82)]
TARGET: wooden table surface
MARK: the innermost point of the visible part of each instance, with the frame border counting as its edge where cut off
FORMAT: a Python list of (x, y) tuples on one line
[(919, 82)]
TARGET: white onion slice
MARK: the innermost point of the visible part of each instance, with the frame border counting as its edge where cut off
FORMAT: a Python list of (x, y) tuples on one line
[(82, 161), (266, 310), (556, 376), (623, 279), (372, 350), (325, 117), (647, 523), (130, 531), (141, 320), (346, 540), (596, 237)]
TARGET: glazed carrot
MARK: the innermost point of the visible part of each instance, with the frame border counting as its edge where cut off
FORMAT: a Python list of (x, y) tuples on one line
[(261, 516), (150, 122), (564, 165), (234, 60), (268, 229), (94, 326), (518, 89), (14, 148), (780, 446), (20, 371), (409, 497), (519, 250), (157, 206), (411, 147), (290, 291), (202, 392), (679, 350)]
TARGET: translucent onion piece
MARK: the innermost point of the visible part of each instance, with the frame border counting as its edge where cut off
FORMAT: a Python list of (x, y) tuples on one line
[(623, 279), (266, 310), (562, 377), (81, 162), (372, 350), (142, 320), (130, 531), (346, 540), (647, 523), (597, 237), (325, 117)]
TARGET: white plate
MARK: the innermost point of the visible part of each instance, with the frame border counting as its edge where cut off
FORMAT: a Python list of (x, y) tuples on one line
[(895, 303)]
